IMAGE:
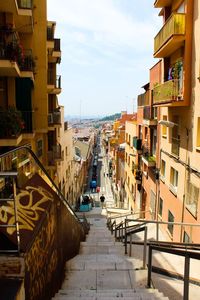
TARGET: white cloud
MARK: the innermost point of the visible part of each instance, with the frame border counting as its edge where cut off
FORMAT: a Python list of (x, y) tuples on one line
[(105, 21)]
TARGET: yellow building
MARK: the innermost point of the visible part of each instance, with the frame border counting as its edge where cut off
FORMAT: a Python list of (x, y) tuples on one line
[(177, 43), (28, 81)]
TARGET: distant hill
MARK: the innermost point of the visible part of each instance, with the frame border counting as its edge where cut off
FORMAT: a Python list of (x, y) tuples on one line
[(111, 117)]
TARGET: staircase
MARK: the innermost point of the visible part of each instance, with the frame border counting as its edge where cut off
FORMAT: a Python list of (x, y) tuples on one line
[(101, 271)]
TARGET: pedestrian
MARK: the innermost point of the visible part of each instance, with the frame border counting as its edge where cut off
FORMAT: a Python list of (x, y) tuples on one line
[(102, 199)]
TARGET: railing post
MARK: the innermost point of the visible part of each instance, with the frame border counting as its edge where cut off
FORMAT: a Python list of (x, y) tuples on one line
[(125, 238), (115, 230), (130, 247), (157, 231), (186, 278), (145, 247), (149, 267)]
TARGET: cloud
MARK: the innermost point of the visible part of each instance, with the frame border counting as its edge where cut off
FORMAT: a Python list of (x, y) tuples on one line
[(104, 21)]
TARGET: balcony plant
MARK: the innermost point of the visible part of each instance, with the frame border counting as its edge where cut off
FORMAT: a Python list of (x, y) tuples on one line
[(11, 122)]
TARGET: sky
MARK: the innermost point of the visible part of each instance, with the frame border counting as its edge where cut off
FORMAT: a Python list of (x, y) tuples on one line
[(107, 51)]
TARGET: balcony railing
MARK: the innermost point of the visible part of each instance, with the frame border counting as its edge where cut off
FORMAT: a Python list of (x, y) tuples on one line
[(25, 4), (175, 25), (54, 118), (147, 113), (57, 151), (175, 146), (58, 82), (137, 143), (66, 126), (28, 121), (50, 33), (56, 44), (143, 99), (166, 92), (147, 158), (28, 63)]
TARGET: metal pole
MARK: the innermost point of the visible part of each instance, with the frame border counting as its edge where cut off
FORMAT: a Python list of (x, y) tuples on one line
[(157, 231), (125, 239), (186, 278), (145, 247), (149, 267), (130, 247)]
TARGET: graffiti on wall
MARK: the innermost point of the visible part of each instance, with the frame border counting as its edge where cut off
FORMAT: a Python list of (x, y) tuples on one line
[(27, 210), (41, 261)]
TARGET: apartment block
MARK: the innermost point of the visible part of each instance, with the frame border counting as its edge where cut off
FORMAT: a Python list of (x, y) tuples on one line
[(29, 84), (177, 97)]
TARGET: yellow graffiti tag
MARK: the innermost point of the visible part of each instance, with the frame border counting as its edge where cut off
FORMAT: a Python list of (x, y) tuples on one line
[(28, 213)]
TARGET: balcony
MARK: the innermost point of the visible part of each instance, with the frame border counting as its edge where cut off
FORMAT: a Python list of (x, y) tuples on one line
[(54, 118), (149, 160), (143, 99), (137, 143), (54, 55), (55, 154), (24, 21), (11, 52), (148, 116), (50, 35), (66, 125), (170, 37), (53, 85), (27, 66), (11, 126), (162, 3), (168, 93)]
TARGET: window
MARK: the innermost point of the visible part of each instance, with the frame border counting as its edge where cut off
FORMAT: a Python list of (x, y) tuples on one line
[(163, 168), (155, 112), (186, 238), (66, 153), (164, 128), (170, 219), (154, 141), (173, 180), (160, 207), (175, 137), (198, 133), (39, 148), (152, 203), (191, 198)]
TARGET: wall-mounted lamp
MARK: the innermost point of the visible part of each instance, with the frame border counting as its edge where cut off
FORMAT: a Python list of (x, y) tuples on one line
[(167, 123)]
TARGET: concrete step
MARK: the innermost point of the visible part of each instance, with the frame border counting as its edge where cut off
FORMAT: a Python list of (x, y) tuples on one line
[(138, 294)]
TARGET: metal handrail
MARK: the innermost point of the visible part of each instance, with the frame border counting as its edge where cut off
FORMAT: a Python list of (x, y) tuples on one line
[(185, 253)]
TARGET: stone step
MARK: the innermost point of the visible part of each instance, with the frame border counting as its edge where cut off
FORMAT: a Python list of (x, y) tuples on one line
[(139, 294), (85, 249)]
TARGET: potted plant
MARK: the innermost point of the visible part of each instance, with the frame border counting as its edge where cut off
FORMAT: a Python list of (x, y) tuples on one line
[(11, 122)]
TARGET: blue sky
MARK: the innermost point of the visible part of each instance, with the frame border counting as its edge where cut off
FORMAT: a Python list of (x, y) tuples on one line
[(107, 51)]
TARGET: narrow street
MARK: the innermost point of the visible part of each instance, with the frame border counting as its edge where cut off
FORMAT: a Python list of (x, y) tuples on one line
[(103, 180)]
